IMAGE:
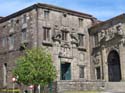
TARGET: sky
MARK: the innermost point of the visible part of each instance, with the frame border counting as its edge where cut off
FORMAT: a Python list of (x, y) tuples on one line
[(101, 9)]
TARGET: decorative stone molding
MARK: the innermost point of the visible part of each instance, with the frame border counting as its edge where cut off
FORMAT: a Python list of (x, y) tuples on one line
[(112, 33)]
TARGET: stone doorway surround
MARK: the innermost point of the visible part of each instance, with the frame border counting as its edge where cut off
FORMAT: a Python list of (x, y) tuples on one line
[(114, 67)]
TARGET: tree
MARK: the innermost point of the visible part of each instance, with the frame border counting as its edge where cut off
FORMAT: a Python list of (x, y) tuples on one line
[(35, 68)]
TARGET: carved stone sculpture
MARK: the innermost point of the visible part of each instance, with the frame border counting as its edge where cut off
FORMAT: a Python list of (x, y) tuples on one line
[(57, 35), (74, 38), (119, 30)]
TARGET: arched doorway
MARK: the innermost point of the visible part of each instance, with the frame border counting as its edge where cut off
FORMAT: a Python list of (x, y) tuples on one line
[(114, 69)]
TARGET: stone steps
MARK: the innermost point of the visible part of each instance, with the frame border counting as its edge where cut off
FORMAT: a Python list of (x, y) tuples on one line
[(115, 87)]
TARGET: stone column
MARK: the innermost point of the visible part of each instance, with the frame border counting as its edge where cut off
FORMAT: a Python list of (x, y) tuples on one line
[(105, 64), (122, 60)]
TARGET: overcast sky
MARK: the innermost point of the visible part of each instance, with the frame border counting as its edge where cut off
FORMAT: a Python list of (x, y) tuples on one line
[(101, 9)]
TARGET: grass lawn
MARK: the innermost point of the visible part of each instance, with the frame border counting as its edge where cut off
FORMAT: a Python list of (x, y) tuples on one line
[(82, 92)]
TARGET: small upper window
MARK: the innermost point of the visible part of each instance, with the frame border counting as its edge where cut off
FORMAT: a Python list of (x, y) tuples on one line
[(46, 34), (80, 22), (46, 14), (65, 15)]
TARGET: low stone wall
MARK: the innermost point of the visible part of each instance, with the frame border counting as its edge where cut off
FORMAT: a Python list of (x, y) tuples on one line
[(63, 86)]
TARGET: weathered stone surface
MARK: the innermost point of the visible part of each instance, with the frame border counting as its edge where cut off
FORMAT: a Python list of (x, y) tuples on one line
[(66, 29)]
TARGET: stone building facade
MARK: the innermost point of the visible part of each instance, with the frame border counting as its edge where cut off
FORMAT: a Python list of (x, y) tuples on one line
[(82, 52), (108, 51), (62, 32)]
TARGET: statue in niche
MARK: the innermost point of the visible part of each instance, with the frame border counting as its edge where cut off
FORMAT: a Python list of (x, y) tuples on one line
[(74, 38), (111, 33), (119, 30), (102, 35), (96, 60), (65, 51)]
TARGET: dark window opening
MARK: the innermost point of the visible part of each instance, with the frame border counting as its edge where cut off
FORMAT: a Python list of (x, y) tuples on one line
[(98, 73), (65, 71), (65, 15), (64, 35)]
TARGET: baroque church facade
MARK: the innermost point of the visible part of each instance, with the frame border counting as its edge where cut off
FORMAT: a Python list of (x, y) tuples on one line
[(87, 53)]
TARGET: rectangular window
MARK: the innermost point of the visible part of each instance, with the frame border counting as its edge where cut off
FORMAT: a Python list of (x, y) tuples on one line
[(46, 14), (64, 35), (81, 71), (4, 41), (46, 33), (81, 39), (11, 41), (98, 73), (24, 35), (80, 22)]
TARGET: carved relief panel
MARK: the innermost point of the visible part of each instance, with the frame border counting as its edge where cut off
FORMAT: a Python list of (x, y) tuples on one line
[(65, 51)]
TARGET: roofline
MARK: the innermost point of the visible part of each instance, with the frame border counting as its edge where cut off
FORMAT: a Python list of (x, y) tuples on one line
[(17, 13), (102, 23), (56, 8), (51, 7)]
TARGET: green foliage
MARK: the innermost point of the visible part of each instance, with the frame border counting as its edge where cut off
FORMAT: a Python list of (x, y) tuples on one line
[(35, 67)]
